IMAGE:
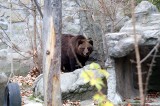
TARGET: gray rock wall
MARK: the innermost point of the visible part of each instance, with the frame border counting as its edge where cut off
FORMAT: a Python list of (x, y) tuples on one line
[(77, 18), (70, 17), (15, 41), (16, 38)]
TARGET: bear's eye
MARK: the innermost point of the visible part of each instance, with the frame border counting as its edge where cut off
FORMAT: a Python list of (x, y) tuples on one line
[(89, 48), (82, 48)]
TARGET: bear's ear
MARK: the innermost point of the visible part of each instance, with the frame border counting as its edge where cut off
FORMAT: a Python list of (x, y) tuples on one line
[(80, 42), (90, 41)]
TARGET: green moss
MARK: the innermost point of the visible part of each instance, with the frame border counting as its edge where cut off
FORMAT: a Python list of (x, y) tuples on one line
[(31, 97), (154, 2)]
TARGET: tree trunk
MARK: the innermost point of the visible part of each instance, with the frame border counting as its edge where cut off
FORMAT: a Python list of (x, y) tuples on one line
[(52, 52)]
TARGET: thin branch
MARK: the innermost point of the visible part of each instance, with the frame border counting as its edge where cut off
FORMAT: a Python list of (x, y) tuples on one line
[(150, 53), (9, 40), (140, 83), (105, 9), (38, 7), (25, 6), (150, 70), (4, 7), (5, 34), (17, 51)]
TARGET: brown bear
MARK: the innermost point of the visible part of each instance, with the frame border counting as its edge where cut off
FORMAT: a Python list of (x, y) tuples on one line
[(75, 51)]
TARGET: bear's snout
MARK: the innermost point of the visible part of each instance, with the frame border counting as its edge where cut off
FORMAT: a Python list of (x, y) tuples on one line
[(86, 52)]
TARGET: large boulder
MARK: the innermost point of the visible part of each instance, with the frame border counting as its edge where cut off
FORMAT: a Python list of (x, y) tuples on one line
[(121, 44), (15, 44), (147, 31), (73, 86)]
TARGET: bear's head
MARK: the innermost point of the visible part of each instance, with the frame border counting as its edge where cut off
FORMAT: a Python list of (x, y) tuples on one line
[(84, 47)]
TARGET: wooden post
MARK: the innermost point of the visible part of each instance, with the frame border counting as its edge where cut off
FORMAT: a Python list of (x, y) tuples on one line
[(52, 21)]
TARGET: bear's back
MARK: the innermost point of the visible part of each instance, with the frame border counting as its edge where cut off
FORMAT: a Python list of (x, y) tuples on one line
[(66, 39)]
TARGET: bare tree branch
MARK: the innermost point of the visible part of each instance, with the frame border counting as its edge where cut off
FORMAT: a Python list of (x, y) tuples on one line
[(150, 69), (38, 7), (150, 53), (140, 83), (13, 46), (25, 5)]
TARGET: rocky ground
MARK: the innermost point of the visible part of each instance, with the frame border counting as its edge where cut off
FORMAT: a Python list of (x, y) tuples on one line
[(28, 99)]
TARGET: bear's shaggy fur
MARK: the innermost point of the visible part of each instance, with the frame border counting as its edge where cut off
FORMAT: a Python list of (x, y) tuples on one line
[(75, 51)]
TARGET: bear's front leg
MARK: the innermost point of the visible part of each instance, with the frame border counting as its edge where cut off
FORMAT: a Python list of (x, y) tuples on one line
[(72, 64)]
